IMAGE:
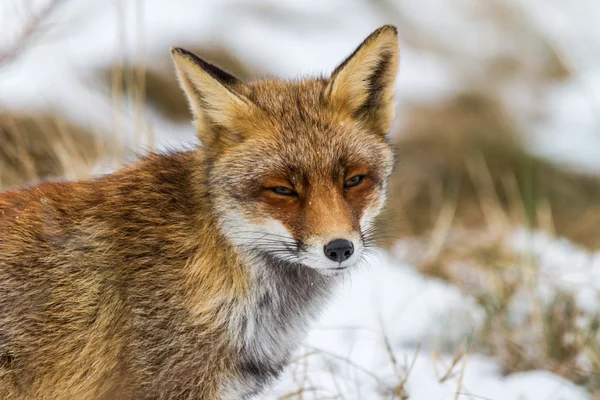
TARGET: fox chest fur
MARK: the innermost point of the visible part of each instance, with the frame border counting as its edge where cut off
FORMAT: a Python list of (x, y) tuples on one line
[(195, 275)]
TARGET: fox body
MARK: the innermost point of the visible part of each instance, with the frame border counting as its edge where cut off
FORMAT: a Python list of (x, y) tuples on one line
[(195, 275)]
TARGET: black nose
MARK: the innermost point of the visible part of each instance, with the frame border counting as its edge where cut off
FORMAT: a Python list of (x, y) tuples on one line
[(339, 250)]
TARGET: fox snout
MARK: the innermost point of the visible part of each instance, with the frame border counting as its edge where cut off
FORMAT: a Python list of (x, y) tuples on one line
[(339, 250), (335, 255), (332, 255)]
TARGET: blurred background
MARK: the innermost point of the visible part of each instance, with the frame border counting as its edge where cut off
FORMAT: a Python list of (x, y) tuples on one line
[(487, 285)]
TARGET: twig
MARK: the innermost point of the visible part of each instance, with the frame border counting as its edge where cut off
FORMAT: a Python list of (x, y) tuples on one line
[(29, 32), (400, 388)]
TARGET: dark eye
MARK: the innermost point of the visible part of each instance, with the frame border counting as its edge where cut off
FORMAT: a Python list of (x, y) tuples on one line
[(354, 181), (283, 191)]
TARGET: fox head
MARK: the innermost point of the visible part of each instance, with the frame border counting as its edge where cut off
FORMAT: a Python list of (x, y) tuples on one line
[(297, 171)]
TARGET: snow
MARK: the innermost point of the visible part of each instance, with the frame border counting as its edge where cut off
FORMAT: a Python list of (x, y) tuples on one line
[(419, 316), (561, 265), (425, 321)]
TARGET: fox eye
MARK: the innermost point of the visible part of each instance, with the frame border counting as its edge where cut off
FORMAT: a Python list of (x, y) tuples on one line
[(354, 181), (283, 191)]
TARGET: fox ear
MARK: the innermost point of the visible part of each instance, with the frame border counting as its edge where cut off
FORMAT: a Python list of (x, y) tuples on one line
[(216, 105), (363, 85)]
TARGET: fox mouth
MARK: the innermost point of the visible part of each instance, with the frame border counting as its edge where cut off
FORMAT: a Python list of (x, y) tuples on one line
[(335, 270), (296, 262), (293, 258), (281, 260)]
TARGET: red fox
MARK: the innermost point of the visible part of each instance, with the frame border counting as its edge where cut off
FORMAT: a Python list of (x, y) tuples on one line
[(195, 274)]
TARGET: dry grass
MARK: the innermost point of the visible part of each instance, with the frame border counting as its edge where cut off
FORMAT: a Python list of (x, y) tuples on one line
[(466, 152), (35, 147), (531, 322), (162, 92), (348, 376), (463, 185)]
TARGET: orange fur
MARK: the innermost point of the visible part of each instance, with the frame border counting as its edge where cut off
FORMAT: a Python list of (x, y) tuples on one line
[(140, 284)]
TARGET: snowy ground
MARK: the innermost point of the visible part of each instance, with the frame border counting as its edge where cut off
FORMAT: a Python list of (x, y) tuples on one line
[(388, 326)]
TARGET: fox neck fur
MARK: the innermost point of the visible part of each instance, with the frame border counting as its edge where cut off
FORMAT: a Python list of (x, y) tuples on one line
[(269, 321)]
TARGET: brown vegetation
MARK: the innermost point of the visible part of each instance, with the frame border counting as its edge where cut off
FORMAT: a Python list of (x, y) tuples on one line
[(465, 154), (464, 183), (39, 146), (162, 91)]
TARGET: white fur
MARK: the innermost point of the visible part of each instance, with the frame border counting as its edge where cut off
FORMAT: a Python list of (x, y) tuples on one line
[(270, 331), (248, 236), (259, 336)]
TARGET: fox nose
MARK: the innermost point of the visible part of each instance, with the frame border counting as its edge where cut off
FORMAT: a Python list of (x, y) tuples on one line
[(339, 250)]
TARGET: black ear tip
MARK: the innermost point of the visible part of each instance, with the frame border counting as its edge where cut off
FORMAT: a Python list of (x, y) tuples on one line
[(387, 28), (212, 70), (182, 52)]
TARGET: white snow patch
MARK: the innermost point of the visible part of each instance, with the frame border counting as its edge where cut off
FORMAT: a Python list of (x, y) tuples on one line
[(347, 355)]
